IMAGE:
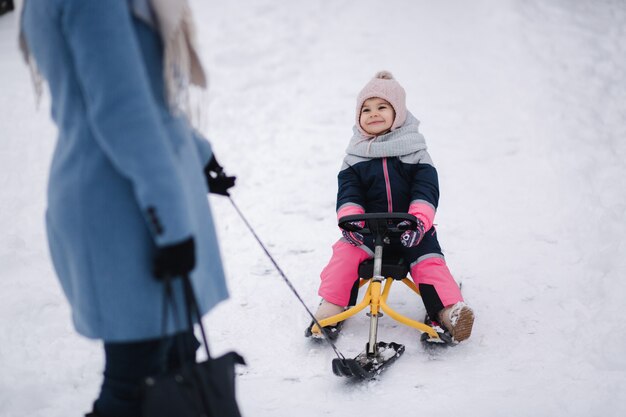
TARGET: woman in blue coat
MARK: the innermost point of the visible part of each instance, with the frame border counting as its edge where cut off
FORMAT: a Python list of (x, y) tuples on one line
[(128, 180)]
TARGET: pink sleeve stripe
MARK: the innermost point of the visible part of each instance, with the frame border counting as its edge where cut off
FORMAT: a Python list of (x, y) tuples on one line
[(423, 211), (348, 209)]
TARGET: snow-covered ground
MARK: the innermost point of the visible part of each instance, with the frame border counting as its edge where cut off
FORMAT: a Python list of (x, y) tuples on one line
[(523, 105)]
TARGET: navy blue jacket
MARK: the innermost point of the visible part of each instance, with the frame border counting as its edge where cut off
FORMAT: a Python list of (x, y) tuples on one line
[(388, 185)]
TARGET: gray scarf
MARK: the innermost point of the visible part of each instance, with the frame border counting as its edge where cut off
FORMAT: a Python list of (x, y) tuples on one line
[(403, 141)]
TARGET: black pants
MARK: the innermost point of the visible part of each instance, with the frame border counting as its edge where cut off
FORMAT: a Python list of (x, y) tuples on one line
[(128, 364)]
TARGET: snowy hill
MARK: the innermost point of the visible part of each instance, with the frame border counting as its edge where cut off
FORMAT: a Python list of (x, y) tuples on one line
[(523, 105)]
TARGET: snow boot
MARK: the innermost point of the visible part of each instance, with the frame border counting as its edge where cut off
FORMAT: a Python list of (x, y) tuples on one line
[(458, 319), (324, 310)]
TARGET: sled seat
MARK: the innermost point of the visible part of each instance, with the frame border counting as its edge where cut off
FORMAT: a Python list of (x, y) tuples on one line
[(392, 267), (395, 268)]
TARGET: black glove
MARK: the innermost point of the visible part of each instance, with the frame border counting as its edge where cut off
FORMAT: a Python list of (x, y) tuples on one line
[(6, 6), (176, 260), (218, 181)]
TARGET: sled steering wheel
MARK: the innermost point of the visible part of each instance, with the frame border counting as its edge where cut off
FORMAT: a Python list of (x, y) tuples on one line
[(379, 224)]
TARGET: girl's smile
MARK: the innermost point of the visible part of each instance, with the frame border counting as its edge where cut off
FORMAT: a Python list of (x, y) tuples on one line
[(377, 116)]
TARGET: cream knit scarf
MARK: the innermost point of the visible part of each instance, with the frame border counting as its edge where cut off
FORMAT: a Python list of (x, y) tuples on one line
[(182, 66)]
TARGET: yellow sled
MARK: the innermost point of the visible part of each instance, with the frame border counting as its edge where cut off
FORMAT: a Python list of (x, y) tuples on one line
[(382, 226)]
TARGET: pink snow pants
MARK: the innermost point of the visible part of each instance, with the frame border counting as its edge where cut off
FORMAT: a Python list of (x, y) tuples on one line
[(339, 275)]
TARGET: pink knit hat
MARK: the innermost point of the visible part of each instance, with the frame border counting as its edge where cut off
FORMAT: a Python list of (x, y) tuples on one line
[(384, 86)]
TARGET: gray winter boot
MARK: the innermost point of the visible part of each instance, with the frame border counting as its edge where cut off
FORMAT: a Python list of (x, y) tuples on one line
[(458, 319), (326, 309)]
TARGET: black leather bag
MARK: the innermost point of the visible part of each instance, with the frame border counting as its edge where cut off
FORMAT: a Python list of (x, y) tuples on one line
[(205, 389)]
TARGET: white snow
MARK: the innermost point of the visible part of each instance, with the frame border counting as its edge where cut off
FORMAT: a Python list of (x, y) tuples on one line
[(523, 105)]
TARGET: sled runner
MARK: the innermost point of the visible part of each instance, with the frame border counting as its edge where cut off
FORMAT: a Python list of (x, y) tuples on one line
[(379, 273)]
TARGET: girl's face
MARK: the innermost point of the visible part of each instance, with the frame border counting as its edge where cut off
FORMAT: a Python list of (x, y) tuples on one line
[(377, 116)]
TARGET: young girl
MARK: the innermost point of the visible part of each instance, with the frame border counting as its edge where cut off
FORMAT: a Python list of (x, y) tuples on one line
[(387, 169)]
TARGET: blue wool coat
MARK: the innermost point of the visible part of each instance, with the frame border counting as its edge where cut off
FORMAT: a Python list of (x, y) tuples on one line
[(126, 174)]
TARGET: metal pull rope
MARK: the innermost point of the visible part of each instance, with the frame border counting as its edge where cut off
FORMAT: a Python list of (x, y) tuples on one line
[(289, 284)]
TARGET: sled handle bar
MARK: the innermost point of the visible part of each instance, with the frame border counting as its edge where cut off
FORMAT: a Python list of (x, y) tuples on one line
[(379, 223)]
